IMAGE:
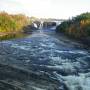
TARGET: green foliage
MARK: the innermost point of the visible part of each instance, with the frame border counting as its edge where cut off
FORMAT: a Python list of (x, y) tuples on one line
[(78, 27), (83, 16), (63, 26), (12, 23)]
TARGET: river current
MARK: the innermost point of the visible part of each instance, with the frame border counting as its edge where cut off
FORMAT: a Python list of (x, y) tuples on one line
[(60, 60)]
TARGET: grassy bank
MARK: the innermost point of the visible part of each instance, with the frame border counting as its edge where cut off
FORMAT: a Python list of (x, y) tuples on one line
[(78, 28), (12, 24)]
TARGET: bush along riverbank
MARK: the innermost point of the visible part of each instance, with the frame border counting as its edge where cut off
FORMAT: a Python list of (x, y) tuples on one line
[(78, 28), (12, 24)]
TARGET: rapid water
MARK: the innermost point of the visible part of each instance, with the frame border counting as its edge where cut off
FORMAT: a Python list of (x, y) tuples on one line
[(40, 52)]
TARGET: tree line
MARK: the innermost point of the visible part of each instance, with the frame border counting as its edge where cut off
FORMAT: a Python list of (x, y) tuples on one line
[(12, 23), (77, 27)]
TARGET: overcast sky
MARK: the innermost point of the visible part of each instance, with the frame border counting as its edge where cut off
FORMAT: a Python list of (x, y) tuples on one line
[(46, 8)]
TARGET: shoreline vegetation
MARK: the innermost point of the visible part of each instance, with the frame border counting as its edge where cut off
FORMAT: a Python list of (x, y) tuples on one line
[(77, 28), (13, 26), (10, 24)]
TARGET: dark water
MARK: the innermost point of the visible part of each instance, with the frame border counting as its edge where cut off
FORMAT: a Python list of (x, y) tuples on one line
[(57, 60), (13, 36)]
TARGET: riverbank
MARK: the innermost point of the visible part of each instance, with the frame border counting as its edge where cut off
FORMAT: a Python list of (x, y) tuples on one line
[(11, 35), (77, 28), (10, 24), (67, 39), (80, 43), (16, 34)]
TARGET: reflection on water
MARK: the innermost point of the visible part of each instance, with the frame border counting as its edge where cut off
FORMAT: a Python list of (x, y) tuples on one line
[(13, 36)]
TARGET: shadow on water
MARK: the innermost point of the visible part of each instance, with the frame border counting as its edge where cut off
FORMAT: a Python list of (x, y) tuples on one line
[(13, 36), (26, 31)]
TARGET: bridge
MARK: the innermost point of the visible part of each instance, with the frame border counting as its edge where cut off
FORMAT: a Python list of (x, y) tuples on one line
[(46, 23)]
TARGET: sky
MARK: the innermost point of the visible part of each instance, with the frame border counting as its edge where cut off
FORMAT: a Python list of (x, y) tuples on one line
[(62, 9)]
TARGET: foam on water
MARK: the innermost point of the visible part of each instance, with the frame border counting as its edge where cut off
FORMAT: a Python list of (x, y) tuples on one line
[(72, 51), (23, 47), (44, 51), (80, 82)]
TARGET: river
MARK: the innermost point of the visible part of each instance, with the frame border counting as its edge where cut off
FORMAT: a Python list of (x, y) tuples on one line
[(42, 61)]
